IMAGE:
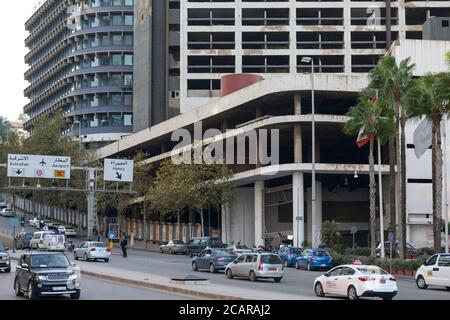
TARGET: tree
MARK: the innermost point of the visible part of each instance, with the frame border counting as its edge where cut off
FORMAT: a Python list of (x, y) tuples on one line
[(330, 234), (430, 98), (372, 119), (5, 129), (392, 81)]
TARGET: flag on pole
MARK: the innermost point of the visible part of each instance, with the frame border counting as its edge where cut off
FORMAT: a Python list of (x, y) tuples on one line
[(362, 139), (422, 138)]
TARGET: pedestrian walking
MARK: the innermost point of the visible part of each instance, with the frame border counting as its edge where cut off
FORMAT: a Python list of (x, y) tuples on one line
[(123, 245)]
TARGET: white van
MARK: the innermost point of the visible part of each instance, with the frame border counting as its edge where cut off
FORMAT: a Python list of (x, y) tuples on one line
[(54, 242), (37, 242), (434, 272)]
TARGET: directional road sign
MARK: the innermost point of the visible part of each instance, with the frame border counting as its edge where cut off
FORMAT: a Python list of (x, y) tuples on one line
[(40, 167), (112, 235), (117, 170), (391, 237), (354, 230)]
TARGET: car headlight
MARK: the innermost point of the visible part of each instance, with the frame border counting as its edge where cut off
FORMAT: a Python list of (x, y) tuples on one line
[(41, 278)]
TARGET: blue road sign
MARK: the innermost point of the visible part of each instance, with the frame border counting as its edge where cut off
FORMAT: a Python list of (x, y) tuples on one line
[(14, 223), (112, 235), (354, 230), (391, 237)]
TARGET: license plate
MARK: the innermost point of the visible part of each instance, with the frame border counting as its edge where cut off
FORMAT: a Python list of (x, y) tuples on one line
[(272, 269), (383, 281), (324, 265), (100, 251), (59, 288)]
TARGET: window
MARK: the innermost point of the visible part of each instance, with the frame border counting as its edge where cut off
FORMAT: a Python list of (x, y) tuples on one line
[(444, 261), (431, 261), (116, 59), (116, 100), (128, 120), (271, 259), (117, 40), (117, 20), (129, 20), (336, 272), (241, 259), (128, 99), (128, 59), (128, 39), (347, 272), (116, 120)]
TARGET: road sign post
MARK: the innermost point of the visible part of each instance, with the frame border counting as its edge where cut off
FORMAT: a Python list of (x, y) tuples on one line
[(391, 239), (353, 231)]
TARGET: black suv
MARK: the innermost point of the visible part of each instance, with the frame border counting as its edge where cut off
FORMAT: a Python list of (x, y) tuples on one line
[(46, 274), (5, 259), (197, 245)]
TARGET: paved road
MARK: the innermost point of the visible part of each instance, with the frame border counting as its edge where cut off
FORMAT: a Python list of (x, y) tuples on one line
[(93, 289), (295, 282)]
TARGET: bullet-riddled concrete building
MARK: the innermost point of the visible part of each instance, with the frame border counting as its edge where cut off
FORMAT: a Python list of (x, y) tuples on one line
[(271, 37)]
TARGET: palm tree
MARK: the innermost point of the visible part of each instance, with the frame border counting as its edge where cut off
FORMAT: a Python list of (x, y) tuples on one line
[(430, 97), (392, 81), (5, 128), (372, 119)]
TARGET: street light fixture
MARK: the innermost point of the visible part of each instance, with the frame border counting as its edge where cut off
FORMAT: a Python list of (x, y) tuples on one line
[(310, 60)]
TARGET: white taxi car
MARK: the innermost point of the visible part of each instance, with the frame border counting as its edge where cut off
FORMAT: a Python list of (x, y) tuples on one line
[(434, 272), (355, 281)]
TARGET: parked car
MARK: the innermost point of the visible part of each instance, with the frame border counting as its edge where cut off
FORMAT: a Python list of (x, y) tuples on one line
[(256, 266), (434, 272), (173, 247), (410, 248), (8, 213), (5, 259), (70, 232), (289, 255), (312, 259), (197, 245), (34, 222), (23, 240), (92, 251), (355, 281), (46, 274), (37, 242), (239, 249), (213, 260)]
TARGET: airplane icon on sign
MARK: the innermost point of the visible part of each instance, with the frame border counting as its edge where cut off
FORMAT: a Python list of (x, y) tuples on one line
[(43, 163)]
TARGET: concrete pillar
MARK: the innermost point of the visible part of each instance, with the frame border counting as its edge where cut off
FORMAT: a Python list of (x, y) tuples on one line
[(318, 228), (259, 213), (226, 223)]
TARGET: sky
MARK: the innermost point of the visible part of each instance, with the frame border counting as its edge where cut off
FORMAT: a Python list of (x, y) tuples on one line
[(12, 30)]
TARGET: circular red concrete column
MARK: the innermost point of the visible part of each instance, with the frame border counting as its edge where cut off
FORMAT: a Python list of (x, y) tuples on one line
[(235, 82)]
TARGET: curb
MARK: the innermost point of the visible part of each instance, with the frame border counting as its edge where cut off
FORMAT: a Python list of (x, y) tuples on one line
[(158, 286)]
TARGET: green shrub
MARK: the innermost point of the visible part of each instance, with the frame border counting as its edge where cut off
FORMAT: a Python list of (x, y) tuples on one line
[(362, 252), (425, 251)]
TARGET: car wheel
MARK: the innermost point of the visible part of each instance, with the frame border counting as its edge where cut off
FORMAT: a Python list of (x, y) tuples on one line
[(75, 296), (352, 294), (8, 270), (297, 266), (212, 269), (85, 257), (160, 250), (308, 267), (31, 293), (277, 280), (318, 289), (17, 289), (252, 276), (420, 282), (229, 274), (194, 266), (191, 255), (286, 264), (448, 288), (106, 260), (170, 251), (75, 256)]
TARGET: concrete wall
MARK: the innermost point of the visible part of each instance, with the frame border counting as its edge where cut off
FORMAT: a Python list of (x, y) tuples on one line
[(243, 217)]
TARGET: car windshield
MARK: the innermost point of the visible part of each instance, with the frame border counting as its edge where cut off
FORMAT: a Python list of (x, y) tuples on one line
[(270, 259), (371, 270), (2, 248), (98, 245), (321, 254), (178, 242), (242, 248), (48, 261), (215, 242)]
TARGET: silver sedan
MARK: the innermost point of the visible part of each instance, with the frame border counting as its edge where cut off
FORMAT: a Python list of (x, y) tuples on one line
[(256, 266), (173, 247), (92, 251)]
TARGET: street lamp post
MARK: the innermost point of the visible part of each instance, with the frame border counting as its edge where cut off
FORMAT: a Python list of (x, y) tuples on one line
[(310, 60)]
